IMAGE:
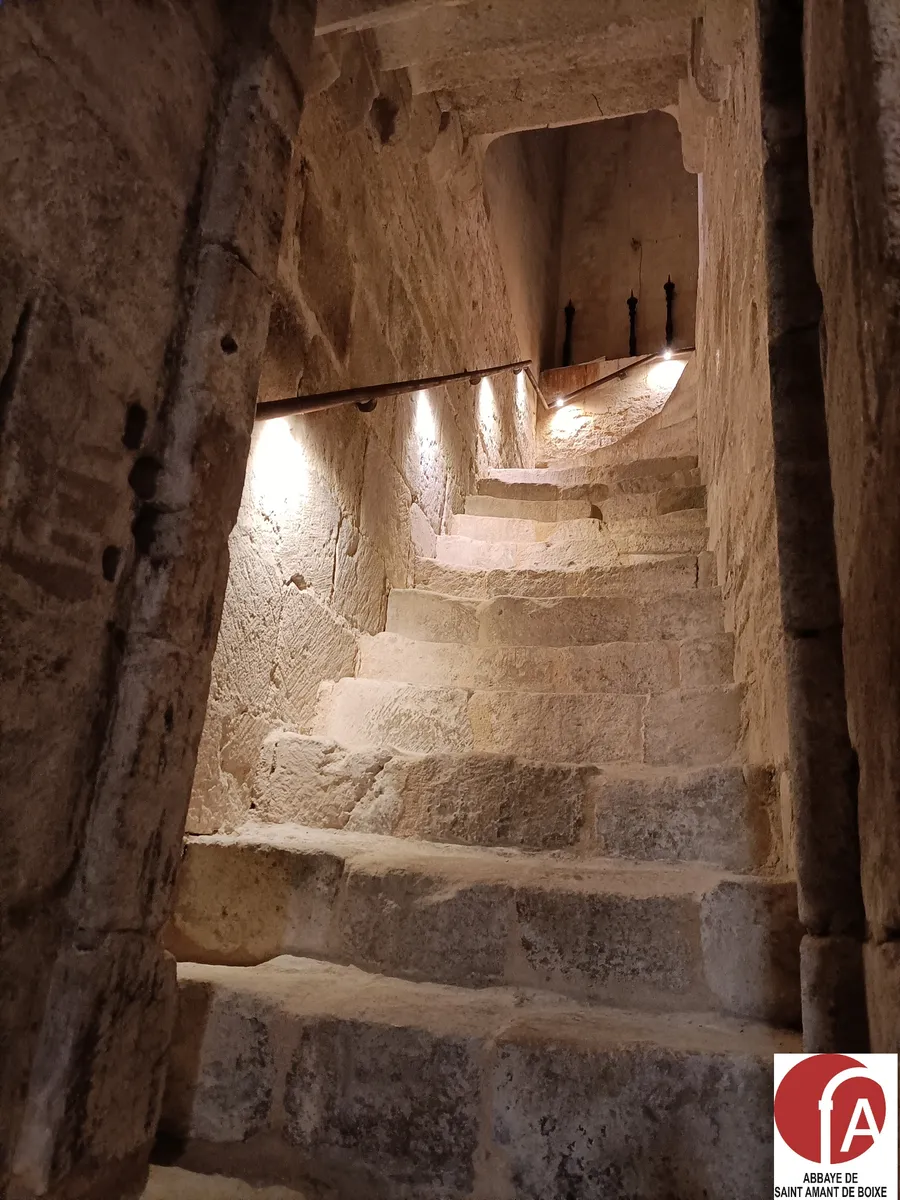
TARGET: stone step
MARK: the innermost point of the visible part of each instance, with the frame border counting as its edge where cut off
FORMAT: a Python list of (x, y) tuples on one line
[(670, 573), (618, 505), (537, 511), (595, 554), (647, 936), (504, 529), (374, 1086), (626, 667), (558, 621), (680, 728), (646, 505), (682, 532), (172, 1183), (570, 545), (579, 483), (723, 815)]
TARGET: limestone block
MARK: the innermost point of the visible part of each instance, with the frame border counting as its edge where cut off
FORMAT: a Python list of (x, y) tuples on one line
[(882, 978), (628, 949), (538, 511), (751, 947), (672, 574), (313, 645), (656, 1102), (833, 985), (111, 1000), (424, 539), (558, 728), (707, 814), (368, 1099), (222, 1069), (675, 533), (436, 928), (245, 208), (352, 95), (364, 1052), (363, 712), (692, 727), (360, 580), (707, 662), (505, 529), (636, 667), (325, 268), (266, 901), (463, 552), (324, 63), (171, 1183), (426, 616), (529, 805), (311, 781)]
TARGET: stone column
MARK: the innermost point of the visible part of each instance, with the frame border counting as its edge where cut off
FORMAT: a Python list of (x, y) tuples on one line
[(100, 1036), (823, 765)]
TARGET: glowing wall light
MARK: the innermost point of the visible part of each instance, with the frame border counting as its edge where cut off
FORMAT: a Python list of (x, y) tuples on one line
[(279, 468), (426, 426), (664, 376), (487, 404), (567, 421), (521, 393)]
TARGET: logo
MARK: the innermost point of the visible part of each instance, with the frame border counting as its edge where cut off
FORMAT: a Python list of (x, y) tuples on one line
[(836, 1125)]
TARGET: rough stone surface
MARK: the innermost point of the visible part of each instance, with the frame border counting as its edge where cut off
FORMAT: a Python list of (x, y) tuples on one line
[(141, 286), (630, 223), (425, 1049), (171, 1183), (388, 269)]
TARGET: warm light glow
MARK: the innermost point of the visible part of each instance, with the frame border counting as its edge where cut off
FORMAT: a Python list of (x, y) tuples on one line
[(279, 469), (667, 354), (567, 421), (426, 427), (558, 402), (521, 393), (664, 376), (487, 405)]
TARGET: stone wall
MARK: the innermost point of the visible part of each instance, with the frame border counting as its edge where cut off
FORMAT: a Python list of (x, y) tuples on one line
[(524, 176), (629, 222), (135, 270), (734, 411), (389, 269), (853, 112)]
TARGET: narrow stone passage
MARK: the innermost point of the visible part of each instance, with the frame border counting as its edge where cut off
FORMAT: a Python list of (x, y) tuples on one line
[(513, 923)]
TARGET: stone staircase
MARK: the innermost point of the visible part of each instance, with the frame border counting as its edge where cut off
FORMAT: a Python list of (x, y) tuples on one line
[(512, 924)]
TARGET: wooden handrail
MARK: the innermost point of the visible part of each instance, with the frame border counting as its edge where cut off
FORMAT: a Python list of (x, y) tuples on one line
[(367, 397)]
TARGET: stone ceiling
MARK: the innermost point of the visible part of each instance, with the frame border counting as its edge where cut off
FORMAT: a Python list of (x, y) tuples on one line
[(506, 65)]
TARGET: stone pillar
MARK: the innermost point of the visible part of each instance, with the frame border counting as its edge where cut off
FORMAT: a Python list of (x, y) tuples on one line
[(822, 759), (95, 1016)]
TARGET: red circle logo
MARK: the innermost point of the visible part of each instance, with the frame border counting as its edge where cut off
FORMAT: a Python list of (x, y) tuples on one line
[(829, 1110)]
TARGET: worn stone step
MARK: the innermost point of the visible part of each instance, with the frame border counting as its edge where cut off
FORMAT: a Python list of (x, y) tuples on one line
[(723, 815), (539, 511), (506, 529), (670, 573), (587, 482), (172, 1183), (649, 936), (557, 621), (683, 728), (627, 667), (664, 535), (627, 506), (597, 553), (375, 1086)]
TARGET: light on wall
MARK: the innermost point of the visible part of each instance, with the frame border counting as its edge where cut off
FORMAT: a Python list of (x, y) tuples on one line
[(664, 375), (279, 470), (426, 427), (521, 393), (487, 404)]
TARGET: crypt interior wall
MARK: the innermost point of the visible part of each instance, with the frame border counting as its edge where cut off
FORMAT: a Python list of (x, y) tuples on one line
[(389, 269), (629, 222)]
